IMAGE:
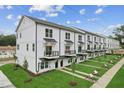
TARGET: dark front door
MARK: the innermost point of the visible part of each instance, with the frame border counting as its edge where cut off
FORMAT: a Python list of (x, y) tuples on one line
[(61, 63), (56, 64)]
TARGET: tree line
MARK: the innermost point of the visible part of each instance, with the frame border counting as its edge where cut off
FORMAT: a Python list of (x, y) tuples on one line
[(6, 40), (119, 34)]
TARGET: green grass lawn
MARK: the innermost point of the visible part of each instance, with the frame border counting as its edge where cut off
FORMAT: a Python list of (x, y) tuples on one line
[(117, 81), (89, 70), (53, 79)]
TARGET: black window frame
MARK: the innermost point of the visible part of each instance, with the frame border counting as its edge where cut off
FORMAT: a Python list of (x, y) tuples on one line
[(48, 33), (42, 65), (79, 37), (27, 47), (33, 47)]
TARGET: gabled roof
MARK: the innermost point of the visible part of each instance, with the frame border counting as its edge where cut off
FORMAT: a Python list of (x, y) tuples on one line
[(53, 24)]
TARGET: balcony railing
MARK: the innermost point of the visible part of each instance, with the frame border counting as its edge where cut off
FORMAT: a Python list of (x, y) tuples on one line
[(82, 51), (70, 51), (51, 53)]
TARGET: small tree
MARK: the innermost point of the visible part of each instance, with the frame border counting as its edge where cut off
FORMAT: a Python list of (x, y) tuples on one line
[(15, 57), (73, 67), (73, 83), (25, 65)]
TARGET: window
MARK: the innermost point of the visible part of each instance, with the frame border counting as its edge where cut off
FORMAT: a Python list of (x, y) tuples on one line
[(67, 35), (94, 46), (70, 60), (48, 50), (32, 47), (99, 46), (88, 47), (79, 37), (48, 33), (67, 48), (79, 48), (17, 47), (20, 35), (27, 47), (46, 64), (42, 65), (94, 38), (88, 38)]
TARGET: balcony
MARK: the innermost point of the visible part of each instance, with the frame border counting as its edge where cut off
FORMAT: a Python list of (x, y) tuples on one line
[(70, 52), (90, 41), (83, 52), (51, 53)]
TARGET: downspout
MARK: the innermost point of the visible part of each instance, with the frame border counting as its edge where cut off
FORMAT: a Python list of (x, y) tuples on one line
[(59, 42), (36, 48), (74, 43)]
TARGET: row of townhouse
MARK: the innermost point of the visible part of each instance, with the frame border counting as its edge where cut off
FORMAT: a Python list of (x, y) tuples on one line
[(47, 46), (7, 52)]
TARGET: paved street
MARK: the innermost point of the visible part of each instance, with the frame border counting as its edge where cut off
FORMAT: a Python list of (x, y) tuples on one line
[(106, 78)]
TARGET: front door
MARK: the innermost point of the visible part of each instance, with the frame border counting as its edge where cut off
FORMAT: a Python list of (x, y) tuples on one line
[(56, 64), (61, 63)]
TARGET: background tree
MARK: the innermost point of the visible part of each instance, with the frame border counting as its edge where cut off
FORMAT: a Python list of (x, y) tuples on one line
[(6, 40), (119, 34)]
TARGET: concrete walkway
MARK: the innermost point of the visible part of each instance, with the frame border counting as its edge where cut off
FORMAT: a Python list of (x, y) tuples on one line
[(76, 75), (91, 66), (106, 78), (4, 81), (83, 73)]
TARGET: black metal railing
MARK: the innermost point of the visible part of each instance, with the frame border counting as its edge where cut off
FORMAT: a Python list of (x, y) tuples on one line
[(70, 51), (51, 53)]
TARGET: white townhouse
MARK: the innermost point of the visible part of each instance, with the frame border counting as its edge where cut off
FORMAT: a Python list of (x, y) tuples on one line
[(46, 45), (7, 51)]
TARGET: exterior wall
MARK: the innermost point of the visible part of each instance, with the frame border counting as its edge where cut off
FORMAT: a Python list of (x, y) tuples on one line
[(63, 43), (30, 35), (27, 31)]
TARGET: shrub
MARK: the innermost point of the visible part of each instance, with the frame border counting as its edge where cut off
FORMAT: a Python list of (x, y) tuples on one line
[(25, 65)]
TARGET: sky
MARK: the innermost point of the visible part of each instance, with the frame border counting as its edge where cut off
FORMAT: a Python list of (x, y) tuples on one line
[(101, 19)]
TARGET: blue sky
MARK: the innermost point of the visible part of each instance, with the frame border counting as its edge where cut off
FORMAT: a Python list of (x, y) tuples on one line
[(99, 19)]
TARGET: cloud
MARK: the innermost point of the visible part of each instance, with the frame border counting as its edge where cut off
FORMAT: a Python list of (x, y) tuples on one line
[(9, 7), (68, 22), (73, 22), (1, 7), (82, 11), (10, 16), (50, 10), (43, 18), (102, 6), (99, 11), (19, 17), (78, 21), (52, 14), (92, 19)]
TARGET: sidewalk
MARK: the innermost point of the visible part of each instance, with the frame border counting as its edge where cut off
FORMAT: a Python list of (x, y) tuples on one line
[(4, 81), (106, 78)]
